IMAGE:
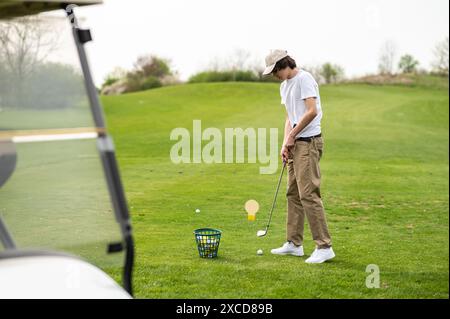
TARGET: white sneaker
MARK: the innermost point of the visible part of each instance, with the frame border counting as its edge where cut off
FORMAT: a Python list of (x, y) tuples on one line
[(320, 255), (288, 249)]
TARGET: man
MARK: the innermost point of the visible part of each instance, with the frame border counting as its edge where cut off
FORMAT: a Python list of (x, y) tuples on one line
[(302, 149)]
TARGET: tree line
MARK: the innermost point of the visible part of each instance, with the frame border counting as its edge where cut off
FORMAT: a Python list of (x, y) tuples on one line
[(26, 75)]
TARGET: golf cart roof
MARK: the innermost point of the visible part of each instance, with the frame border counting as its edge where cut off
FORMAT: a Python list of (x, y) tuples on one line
[(17, 8)]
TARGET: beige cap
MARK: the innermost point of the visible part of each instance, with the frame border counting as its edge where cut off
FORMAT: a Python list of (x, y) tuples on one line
[(272, 58)]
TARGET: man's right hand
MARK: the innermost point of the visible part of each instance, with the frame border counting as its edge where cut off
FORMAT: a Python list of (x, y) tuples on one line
[(284, 153)]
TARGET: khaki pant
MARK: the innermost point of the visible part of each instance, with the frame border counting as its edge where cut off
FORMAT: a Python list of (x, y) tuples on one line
[(303, 193)]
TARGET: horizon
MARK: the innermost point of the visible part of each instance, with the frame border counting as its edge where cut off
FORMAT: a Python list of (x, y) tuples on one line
[(193, 37)]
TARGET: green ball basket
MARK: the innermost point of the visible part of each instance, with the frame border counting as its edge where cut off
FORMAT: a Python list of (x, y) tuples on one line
[(208, 240)]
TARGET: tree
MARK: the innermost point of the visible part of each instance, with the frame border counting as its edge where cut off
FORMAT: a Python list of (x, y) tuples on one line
[(387, 56), (149, 72), (55, 86), (3, 85), (24, 44), (239, 60), (408, 64), (151, 65), (440, 64), (331, 72)]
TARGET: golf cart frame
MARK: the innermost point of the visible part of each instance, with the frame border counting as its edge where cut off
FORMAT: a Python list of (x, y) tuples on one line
[(12, 9)]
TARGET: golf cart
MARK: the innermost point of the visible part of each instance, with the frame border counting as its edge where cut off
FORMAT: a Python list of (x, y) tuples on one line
[(64, 224)]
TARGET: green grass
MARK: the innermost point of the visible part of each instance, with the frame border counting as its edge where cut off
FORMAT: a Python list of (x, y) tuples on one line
[(29, 119), (57, 199), (385, 190)]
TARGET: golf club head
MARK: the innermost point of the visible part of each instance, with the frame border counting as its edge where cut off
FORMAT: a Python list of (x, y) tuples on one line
[(8, 159), (261, 233)]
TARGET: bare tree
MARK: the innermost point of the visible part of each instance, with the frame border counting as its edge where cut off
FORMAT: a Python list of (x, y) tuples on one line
[(215, 64), (239, 59), (441, 62), (24, 43), (387, 56)]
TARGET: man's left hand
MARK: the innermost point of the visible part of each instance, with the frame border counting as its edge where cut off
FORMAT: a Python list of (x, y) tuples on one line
[(290, 142)]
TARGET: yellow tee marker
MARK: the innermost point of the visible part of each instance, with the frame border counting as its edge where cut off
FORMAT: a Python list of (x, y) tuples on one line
[(252, 207)]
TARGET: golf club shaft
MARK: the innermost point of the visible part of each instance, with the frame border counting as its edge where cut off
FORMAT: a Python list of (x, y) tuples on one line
[(276, 194)]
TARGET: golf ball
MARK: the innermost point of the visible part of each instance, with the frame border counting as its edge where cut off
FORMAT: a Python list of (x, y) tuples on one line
[(197, 210), (259, 252)]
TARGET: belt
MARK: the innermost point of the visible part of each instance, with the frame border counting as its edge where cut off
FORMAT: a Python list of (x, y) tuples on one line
[(308, 139)]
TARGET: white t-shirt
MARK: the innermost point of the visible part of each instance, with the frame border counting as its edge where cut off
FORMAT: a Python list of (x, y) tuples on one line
[(293, 93)]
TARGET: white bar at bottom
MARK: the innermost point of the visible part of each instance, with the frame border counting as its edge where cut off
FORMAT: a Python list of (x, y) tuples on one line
[(54, 137)]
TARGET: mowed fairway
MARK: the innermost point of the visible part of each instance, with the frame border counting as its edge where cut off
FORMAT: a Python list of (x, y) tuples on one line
[(385, 190)]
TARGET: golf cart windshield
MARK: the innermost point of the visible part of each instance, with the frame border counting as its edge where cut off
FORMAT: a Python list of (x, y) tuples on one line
[(59, 185)]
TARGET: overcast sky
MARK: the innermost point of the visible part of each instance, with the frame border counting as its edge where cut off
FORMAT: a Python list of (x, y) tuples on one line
[(194, 33)]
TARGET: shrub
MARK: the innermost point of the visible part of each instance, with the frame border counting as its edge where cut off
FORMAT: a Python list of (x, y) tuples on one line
[(210, 76), (151, 65), (108, 81), (224, 76), (151, 82), (149, 72), (133, 81), (116, 75), (248, 76)]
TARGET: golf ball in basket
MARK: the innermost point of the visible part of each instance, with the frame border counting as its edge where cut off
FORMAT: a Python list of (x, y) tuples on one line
[(197, 210), (259, 252)]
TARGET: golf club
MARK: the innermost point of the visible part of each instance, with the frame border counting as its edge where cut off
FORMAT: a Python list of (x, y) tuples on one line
[(262, 233)]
